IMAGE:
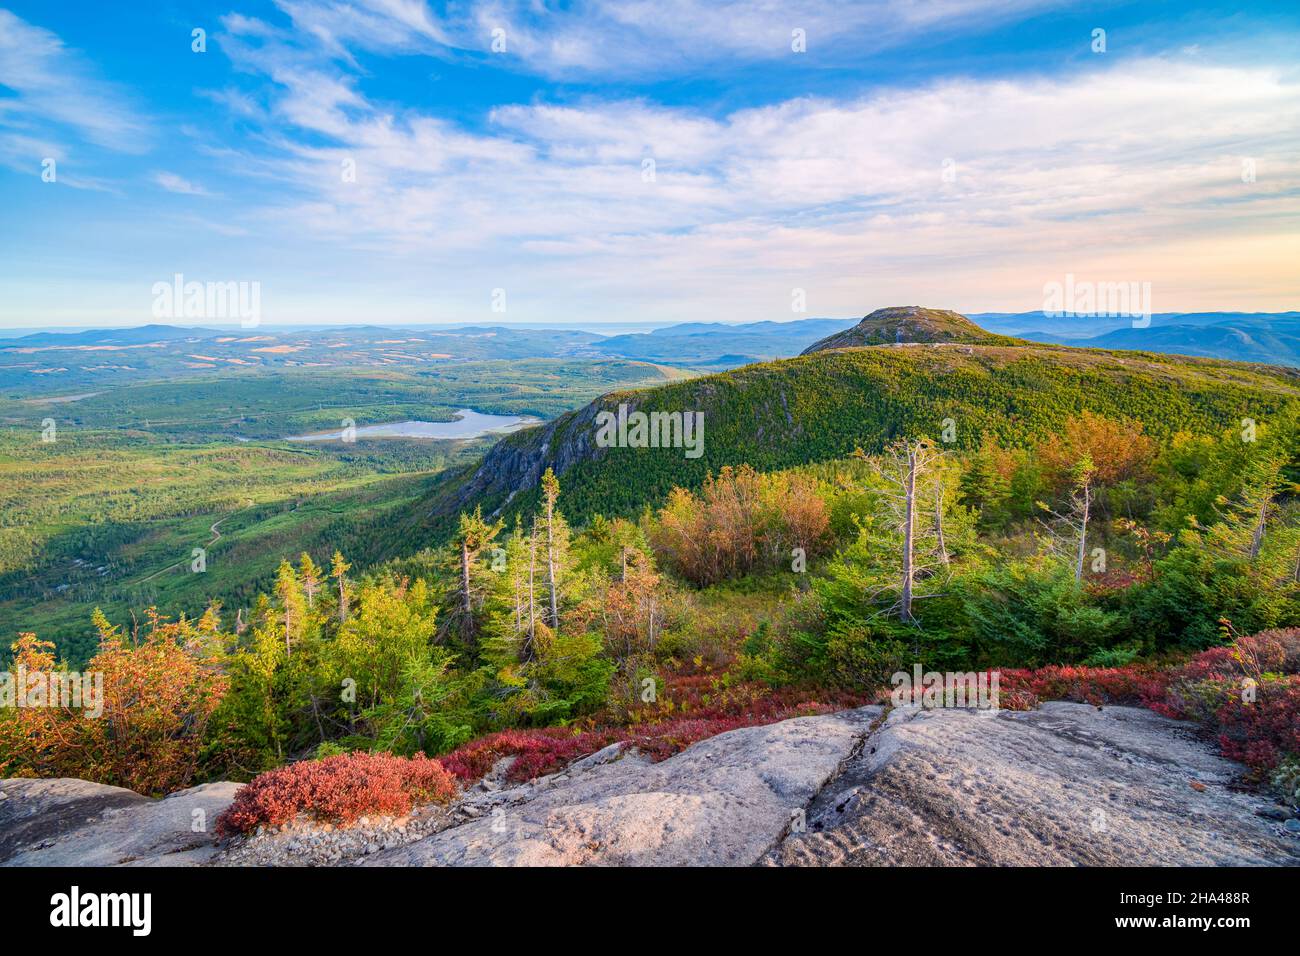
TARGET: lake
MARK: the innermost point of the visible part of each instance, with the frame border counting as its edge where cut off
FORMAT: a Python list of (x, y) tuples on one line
[(468, 424)]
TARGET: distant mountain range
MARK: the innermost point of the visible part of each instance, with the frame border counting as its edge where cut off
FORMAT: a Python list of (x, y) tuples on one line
[(1272, 337), (52, 362), (49, 362), (720, 345)]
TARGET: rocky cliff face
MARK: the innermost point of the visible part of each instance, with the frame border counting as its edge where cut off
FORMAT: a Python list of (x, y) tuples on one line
[(909, 324), (518, 461), (1068, 784)]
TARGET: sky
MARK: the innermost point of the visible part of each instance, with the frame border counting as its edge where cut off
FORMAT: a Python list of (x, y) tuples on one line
[(386, 161)]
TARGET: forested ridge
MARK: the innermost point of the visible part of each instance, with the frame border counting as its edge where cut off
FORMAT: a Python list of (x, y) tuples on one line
[(822, 406)]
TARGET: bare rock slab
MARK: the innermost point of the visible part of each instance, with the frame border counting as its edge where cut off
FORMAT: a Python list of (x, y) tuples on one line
[(1065, 785), (66, 822), (721, 802)]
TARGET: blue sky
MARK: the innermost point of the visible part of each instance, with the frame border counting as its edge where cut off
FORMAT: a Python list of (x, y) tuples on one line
[(953, 153)]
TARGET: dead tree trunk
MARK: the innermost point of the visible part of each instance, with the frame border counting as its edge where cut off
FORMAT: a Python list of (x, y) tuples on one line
[(519, 604), (532, 601), (909, 532), (938, 526), (1083, 530), (466, 600), (550, 563), (1257, 536)]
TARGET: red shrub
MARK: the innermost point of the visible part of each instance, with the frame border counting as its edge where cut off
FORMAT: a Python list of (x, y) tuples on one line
[(337, 789), (536, 752), (1086, 685), (703, 708), (1260, 733), (1209, 689)]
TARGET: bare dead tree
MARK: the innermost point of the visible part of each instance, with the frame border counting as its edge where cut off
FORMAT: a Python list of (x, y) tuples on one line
[(908, 468), (1074, 519), (940, 547), (532, 600), (550, 492)]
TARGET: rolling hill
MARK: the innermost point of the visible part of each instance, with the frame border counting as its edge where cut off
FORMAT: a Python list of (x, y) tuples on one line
[(1272, 337), (824, 404), (909, 324)]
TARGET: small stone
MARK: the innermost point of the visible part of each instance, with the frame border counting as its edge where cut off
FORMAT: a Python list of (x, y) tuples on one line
[(1292, 825)]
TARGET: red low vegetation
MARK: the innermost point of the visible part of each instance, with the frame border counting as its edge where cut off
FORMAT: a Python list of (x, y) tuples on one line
[(338, 789), (341, 789), (536, 752), (1134, 685), (1247, 694), (693, 708)]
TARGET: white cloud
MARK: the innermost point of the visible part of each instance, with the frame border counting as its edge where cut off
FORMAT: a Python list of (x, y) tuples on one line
[(1119, 169), (641, 37), (1110, 169), (177, 184), (55, 87)]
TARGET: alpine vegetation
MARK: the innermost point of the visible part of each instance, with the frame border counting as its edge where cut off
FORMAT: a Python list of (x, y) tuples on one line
[(65, 689)]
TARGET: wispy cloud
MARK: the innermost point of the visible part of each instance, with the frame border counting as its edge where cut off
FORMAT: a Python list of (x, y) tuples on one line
[(178, 184), (58, 99), (640, 37), (1046, 174)]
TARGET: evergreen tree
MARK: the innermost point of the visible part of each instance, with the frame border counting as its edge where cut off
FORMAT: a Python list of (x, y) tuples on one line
[(473, 537), (338, 571)]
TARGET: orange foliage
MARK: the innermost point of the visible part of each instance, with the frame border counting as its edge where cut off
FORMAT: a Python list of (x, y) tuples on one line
[(741, 521), (146, 730), (1119, 451)]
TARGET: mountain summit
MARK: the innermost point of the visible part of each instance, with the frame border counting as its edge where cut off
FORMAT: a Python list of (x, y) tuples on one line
[(902, 324)]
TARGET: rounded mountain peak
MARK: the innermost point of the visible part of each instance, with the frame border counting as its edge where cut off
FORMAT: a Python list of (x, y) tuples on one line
[(903, 324)]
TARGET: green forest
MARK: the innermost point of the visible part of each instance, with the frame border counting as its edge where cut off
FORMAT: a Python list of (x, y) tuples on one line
[(107, 512), (1098, 544)]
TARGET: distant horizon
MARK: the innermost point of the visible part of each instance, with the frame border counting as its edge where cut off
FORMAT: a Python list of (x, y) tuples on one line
[(595, 328)]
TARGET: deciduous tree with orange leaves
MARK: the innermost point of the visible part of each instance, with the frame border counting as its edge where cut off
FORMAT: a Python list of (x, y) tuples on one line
[(1119, 451), (159, 692)]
